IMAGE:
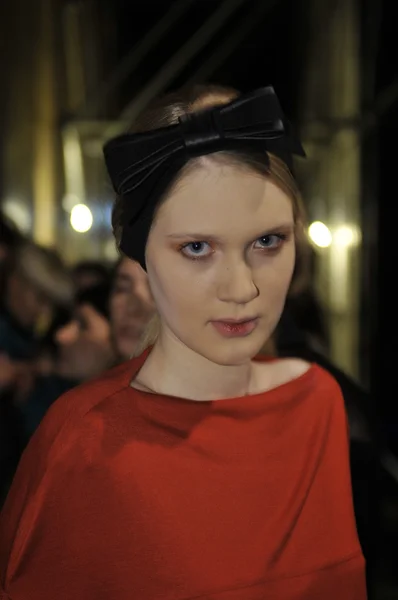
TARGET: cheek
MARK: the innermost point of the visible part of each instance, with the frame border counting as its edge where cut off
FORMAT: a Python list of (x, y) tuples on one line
[(172, 292), (117, 306), (179, 292), (142, 290), (273, 279)]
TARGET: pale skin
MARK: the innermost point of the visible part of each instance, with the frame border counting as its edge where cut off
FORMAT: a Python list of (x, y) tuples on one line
[(221, 247)]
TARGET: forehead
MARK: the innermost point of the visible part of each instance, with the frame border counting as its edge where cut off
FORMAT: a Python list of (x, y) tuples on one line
[(219, 197), (128, 269)]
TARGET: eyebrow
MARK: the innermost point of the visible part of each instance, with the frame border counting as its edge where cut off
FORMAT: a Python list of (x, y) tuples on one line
[(289, 226), (193, 236)]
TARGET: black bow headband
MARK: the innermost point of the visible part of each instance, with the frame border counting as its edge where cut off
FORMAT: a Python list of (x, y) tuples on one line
[(141, 166)]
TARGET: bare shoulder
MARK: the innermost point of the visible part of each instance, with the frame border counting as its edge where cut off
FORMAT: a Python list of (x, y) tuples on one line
[(293, 367), (279, 371)]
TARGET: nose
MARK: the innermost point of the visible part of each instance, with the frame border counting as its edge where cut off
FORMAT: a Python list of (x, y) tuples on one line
[(236, 283), (67, 334)]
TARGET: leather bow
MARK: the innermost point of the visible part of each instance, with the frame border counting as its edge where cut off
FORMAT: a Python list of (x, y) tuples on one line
[(141, 166)]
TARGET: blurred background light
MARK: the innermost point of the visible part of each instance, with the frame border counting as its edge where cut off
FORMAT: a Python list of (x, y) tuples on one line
[(110, 250), (69, 201), (320, 234), (346, 235), (19, 213), (81, 218)]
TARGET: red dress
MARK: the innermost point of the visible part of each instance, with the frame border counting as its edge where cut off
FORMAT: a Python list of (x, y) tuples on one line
[(126, 495)]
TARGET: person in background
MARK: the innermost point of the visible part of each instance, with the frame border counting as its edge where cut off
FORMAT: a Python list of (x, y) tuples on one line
[(131, 307), (46, 356), (36, 281), (87, 273), (83, 350)]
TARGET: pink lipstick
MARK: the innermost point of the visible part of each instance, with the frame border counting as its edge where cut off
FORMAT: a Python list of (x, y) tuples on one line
[(232, 328)]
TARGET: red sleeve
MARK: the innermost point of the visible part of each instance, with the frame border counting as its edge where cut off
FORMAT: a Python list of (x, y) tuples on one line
[(52, 535)]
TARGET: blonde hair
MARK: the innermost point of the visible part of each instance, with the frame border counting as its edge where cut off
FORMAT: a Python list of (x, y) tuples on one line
[(165, 112)]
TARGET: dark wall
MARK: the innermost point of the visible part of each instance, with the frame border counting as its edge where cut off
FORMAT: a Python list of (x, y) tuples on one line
[(272, 52), (379, 163)]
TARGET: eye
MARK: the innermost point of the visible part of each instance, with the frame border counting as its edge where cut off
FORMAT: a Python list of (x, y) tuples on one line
[(120, 288), (270, 242), (196, 250)]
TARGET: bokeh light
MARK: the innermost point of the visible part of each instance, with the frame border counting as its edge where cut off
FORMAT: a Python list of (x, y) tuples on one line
[(346, 235), (320, 234), (81, 218)]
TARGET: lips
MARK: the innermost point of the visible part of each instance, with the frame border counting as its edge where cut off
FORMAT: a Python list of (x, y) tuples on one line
[(233, 328), (236, 321)]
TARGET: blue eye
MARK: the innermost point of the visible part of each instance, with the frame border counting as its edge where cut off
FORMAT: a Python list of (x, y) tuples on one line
[(270, 242), (196, 250)]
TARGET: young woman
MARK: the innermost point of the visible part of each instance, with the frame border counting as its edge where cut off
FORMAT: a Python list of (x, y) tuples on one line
[(198, 470)]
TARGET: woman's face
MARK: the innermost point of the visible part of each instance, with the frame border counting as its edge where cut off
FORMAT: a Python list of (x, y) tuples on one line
[(25, 301), (222, 248), (131, 306), (84, 345)]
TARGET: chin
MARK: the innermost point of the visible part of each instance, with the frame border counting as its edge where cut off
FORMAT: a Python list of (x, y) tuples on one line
[(125, 349), (233, 352)]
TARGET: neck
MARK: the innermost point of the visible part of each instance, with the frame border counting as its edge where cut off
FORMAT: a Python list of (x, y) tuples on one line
[(173, 369)]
